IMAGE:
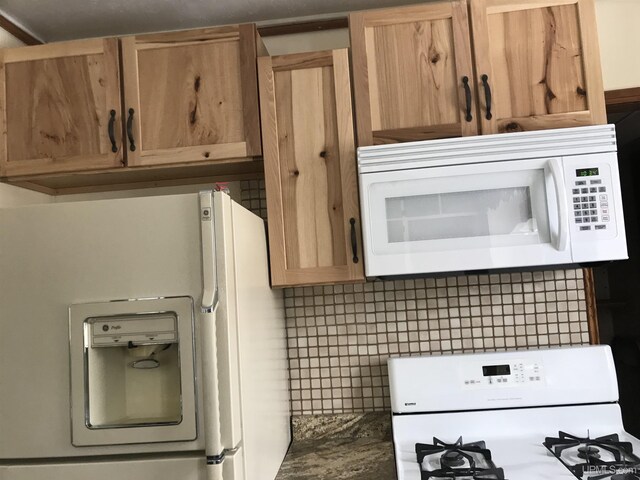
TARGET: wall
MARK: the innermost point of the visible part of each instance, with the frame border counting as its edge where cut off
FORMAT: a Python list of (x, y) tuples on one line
[(618, 22), (340, 336)]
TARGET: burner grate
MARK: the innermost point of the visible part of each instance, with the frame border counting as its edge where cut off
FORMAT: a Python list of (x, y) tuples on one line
[(624, 466), (458, 460)]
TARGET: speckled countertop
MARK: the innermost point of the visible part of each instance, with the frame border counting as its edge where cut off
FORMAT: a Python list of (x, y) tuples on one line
[(340, 447)]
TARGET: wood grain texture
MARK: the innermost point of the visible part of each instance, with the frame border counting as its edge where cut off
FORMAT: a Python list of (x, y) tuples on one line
[(411, 61), (625, 100), (18, 32), (538, 58), (193, 92), (142, 177), (310, 177), (55, 109), (382, 137), (592, 311)]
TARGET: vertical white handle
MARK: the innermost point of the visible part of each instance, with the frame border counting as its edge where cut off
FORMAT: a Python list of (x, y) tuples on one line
[(562, 241), (214, 449)]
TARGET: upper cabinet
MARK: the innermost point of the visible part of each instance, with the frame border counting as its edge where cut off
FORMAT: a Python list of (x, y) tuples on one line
[(310, 169), (413, 73), (537, 66), (191, 96), (60, 108)]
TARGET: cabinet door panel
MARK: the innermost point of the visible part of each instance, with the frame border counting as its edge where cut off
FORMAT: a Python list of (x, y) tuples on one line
[(310, 177), (542, 60), (56, 107), (194, 95), (409, 63)]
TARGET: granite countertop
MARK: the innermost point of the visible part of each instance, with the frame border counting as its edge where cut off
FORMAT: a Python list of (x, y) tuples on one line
[(340, 447)]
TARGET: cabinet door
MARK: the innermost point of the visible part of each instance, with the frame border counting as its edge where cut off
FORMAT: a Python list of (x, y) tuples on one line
[(310, 169), (58, 103), (191, 96), (412, 71), (538, 64)]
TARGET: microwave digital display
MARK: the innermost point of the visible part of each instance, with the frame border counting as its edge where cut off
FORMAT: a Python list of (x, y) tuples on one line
[(494, 370), (587, 172)]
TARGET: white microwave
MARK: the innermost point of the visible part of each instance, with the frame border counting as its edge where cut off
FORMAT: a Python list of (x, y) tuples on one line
[(513, 200)]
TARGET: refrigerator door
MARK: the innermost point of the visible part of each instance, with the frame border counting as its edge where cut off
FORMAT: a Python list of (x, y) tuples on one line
[(57, 255)]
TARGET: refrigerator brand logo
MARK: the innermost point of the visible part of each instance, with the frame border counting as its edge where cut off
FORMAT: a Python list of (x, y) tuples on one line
[(105, 328), (410, 404)]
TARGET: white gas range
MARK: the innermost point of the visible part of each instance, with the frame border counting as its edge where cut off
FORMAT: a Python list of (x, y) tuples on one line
[(543, 414)]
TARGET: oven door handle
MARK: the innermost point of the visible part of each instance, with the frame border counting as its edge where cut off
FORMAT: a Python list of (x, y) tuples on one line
[(555, 168)]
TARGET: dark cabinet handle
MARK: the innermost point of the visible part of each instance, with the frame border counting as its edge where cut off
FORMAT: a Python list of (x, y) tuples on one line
[(487, 95), (112, 132), (467, 97), (354, 240), (132, 143)]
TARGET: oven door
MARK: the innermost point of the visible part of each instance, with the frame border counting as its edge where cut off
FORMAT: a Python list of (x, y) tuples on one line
[(466, 217)]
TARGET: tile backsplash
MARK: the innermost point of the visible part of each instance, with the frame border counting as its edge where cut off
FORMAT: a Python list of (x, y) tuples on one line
[(340, 336)]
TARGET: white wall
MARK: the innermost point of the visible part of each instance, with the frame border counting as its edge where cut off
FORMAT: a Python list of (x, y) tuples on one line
[(618, 29)]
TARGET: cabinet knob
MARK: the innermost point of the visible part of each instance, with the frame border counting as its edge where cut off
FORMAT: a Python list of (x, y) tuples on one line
[(132, 143), (487, 95), (111, 130), (467, 96), (354, 240)]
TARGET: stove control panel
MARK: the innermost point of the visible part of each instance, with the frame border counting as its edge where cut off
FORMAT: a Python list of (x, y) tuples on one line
[(516, 373)]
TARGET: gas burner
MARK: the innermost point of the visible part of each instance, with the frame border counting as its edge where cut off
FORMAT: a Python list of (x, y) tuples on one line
[(591, 453), (451, 461), (596, 458)]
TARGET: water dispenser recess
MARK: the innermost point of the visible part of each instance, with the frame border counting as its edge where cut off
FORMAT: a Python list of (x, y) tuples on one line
[(133, 370)]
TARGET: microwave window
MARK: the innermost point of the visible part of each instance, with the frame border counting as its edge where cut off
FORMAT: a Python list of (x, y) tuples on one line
[(478, 213)]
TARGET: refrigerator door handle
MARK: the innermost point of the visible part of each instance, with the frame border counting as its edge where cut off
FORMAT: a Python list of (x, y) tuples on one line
[(214, 449)]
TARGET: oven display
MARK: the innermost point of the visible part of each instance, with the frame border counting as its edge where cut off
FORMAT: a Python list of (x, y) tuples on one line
[(587, 172), (496, 370)]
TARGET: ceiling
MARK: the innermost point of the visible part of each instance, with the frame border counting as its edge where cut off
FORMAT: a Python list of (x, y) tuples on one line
[(53, 20)]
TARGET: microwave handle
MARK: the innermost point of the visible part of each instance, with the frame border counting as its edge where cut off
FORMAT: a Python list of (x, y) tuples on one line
[(555, 168)]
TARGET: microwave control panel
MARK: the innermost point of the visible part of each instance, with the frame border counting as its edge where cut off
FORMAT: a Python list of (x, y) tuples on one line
[(592, 204), (516, 373)]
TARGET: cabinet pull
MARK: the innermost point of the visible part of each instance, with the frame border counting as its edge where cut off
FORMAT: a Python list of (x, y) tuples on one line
[(132, 143), (487, 95), (354, 240), (467, 96), (111, 130)]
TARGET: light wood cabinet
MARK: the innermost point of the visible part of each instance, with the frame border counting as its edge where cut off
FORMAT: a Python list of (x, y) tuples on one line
[(59, 106), (310, 169), (531, 64), (413, 73), (191, 96), (538, 64)]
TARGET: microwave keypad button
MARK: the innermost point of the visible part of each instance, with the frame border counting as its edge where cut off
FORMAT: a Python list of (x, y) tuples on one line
[(602, 189), (576, 199), (592, 212), (586, 220), (576, 191), (585, 206), (605, 211), (585, 199), (581, 182), (603, 198), (604, 204), (601, 227), (605, 218), (594, 219), (595, 182), (593, 205), (584, 190), (592, 198), (578, 213), (593, 190), (585, 227), (578, 220)]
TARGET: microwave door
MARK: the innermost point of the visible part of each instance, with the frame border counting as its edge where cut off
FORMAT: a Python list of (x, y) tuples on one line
[(465, 217)]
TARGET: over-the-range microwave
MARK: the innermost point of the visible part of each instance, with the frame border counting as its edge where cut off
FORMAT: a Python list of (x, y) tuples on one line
[(489, 202)]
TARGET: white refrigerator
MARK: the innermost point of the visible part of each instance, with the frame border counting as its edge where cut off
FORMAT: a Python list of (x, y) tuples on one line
[(139, 339)]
